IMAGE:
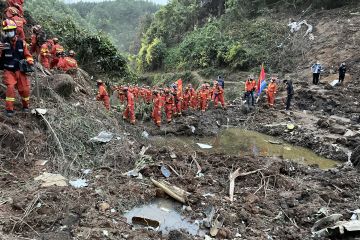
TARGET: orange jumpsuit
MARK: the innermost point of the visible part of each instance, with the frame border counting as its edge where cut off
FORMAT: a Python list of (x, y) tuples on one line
[(67, 63), (17, 4), (56, 49), (271, 93), (193, 99), (121, 96), (129, 112), (169, 105), (203, 99), (103, 96), (186, 100), (45, 56), (13, 78), (35, 49), (148, 96), (156, 113), (219, 96), (20, 22)]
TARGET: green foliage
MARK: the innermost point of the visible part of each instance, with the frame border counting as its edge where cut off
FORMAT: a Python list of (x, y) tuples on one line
[(95, 52), (155, 54), (166, 79), (120, 19)]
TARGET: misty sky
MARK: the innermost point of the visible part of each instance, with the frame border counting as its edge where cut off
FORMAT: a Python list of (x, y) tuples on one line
[(74, 1)]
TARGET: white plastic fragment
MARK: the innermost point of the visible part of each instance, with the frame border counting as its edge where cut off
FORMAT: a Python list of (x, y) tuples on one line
[(103, 137), (204, 146)]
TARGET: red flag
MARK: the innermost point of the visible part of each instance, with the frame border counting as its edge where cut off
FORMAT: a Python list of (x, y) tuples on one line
[(262, 78), (179, 87)]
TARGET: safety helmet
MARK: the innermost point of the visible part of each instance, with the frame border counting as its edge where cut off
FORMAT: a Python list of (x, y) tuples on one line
[(99, 81), (13, 10), (8, 24), (55, 40), (71, 53), (125, 89)]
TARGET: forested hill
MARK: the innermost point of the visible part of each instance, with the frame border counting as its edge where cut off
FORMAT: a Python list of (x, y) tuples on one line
[(120, 18), (235, 34)]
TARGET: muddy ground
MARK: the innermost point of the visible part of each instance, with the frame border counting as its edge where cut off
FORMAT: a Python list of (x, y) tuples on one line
[(281, 201)]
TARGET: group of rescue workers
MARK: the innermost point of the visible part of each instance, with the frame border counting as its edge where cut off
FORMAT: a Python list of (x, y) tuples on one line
[(17, 58), (172, 99)]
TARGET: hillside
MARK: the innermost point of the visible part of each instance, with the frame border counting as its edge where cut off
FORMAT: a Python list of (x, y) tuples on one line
[(120, 19), (74, 32), (237, 35)]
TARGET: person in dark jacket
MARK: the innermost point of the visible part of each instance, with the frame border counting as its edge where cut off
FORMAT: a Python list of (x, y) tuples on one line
[(342, 72), (290, 93), (221, 82)]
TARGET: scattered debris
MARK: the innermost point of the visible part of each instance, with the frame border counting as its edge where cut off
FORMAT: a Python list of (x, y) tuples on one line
[(79, 183), (356, 215), (145, 222), (21, 132), (290, 126), (165, 171), (232, 178), (86, 171), (334, 83), (173, 156), (145, 134), (175, 192), (50, 179), (103, 137), (41, 163), (210, 213), (274, 142), (39, 111), (204, 146), (216, 225), (103, 206), (320, 226)]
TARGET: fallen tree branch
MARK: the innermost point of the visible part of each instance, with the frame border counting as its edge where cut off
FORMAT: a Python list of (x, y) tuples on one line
[(235, 175), (177, 193)]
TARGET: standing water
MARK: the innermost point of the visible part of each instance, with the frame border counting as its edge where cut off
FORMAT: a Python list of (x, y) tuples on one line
[(240, 142), (165, 213)]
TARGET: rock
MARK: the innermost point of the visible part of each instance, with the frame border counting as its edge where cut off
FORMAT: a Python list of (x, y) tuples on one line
[(323, 123), (50, 179), (64, 85), (337, 129), (103, 207), (355, 157)]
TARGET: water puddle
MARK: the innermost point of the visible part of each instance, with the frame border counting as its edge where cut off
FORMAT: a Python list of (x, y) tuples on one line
[(162, 215), (236, 141)]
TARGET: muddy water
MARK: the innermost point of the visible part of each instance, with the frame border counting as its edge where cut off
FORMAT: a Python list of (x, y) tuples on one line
[(241, 142), (166, 213)]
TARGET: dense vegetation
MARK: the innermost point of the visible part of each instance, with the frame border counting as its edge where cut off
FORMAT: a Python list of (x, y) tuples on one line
[(120, 18), (95, 51), (235, 34)]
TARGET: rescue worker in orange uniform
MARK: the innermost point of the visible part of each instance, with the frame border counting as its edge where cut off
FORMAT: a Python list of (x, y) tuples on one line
[(103, 94), (271, 92), (186, 99), (13, 14), (56, 51), (169, 105), (13, 50), (68, 62), (203, 95), (37, 34), (148, 95), (129, 113), (219, 95), (17, 4), (157, 105), (45, 55), (193, 97), (250, 88)]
